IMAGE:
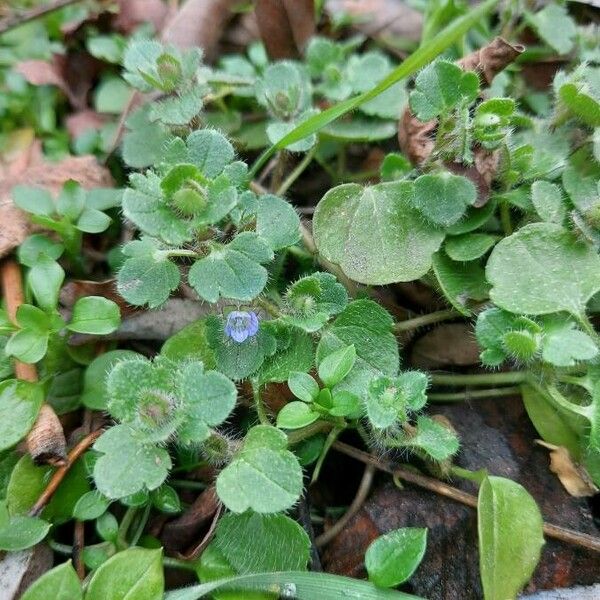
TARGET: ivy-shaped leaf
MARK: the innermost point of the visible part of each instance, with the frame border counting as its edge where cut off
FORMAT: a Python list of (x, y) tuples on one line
[(277, 222), (232, 271), (263, 476), (441, 86), (554, 25), (542, 269), (128, 464), (563, 345), (374, 233)]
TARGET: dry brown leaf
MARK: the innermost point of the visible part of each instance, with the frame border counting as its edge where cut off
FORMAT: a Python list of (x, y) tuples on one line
[(285, 26), (574, 478), (30, 167), (199, 23), (380, 18), (133, 13)]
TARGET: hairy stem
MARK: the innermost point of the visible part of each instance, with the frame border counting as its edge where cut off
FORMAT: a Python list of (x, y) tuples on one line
[(300, 167), (474, 394), (479, 378), (431, 318)]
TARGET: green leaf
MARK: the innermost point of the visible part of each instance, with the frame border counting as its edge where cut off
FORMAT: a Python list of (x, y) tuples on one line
[(439, 442), (335, 366), (145, 141), (135, 574), (295, 351), (90, 506), (277, 222), (208, 397), (296, 414), (367, 326), (128, 464), (304, 586), (460, 282), (28, 481), (190, 343), (510, 537), (563, 345), (19, 533), (252, 542), (180, 109), (554, 25), (469, 246), (443, 198), (284, 89), (20, 402), (147, 276), (107, 527), (374, 233), (95, 393), (93, 221), (390, 400), (392, 558), (27, 345), (303, 386), (233, 271), (542, 269), (37, 245), (96, 315), (548, 201), (263, 476), (166, 499), (440, 87), (580, 94), (60, 583), (210, 151), (45, 279), (35, 200)]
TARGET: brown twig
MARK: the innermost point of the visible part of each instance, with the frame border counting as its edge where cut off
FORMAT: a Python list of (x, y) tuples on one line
[(46, 440), (15, 20), (443, 489), (195, 552), (359, 499), (78, 546), (60, 473)]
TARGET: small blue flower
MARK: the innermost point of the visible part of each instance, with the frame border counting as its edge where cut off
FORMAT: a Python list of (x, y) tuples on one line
[(241, 325)]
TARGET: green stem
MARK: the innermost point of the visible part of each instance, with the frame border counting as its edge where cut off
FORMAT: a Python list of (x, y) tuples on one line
[(124, 528), (474, 395), (259, 404), (479, 378), (333, 435), (298, 435), (587, 326), (60, 548), (180, 252), (434, 317), (505, 218), (291, 178), (476, 476), (270, 307), (175, 563), (186, 484), (139, 530)]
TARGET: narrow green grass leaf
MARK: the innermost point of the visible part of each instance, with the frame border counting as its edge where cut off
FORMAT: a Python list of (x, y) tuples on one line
[(411, 64)]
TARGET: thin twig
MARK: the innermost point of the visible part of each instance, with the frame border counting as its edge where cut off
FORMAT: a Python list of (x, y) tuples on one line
[(46, 440), (60, 473), (361, 495), (78, 546), (443, 489), (20, 18)]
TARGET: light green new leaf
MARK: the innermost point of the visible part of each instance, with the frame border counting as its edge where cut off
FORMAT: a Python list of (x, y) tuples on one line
[(128, 464), (296, 414), (208, 399), (548, 201), (554, 25), (541, 269), (392, 558), (335, 366), (439, 442), (441, 86), (95, 315), (264, 476), (253, 543), (133, 574), (374, 233), (443, 198), (90, 506), (27, 345), (45, 279), (178, 110), (510, 537), (35, 200), (60, 583), (20, 402), (303, 386)]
